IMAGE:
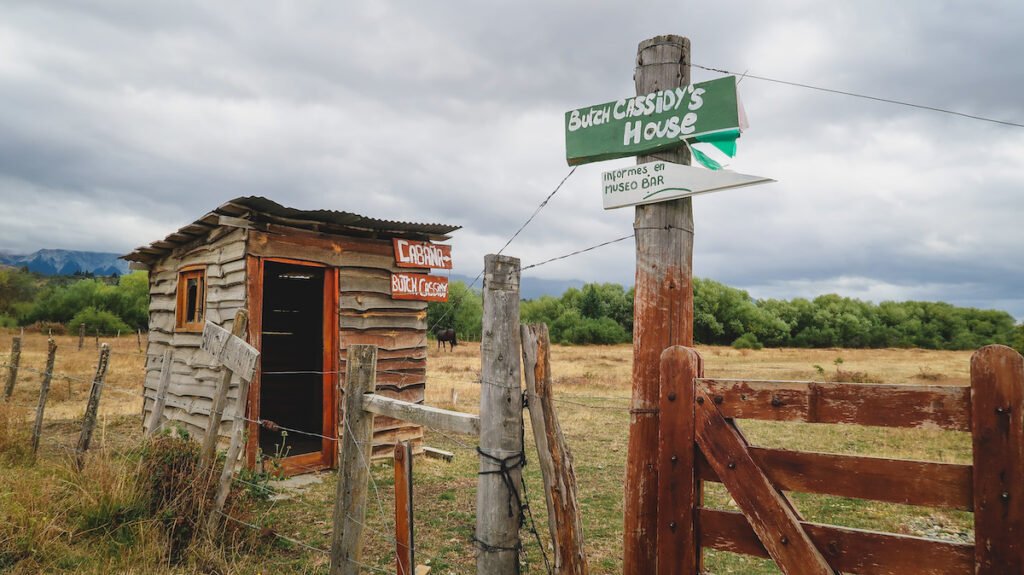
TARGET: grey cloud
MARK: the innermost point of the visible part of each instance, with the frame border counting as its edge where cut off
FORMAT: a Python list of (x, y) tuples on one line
[(140, 117)]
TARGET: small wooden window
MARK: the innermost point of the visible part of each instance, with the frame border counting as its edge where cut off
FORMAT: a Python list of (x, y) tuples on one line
[(191, 308)]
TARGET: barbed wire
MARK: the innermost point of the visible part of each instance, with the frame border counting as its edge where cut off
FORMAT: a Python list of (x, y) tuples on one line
[(577, 252), (862, 96)]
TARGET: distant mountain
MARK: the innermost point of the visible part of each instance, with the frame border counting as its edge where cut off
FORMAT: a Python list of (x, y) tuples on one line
[(530, 288), (68, 262)]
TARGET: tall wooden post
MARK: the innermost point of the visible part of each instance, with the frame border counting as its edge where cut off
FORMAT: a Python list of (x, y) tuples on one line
[(89, 421), (81, 336), (12, 367), (44, 390), (662, 311), (997, 421), (220, 397), (501, 421), (354, 462)]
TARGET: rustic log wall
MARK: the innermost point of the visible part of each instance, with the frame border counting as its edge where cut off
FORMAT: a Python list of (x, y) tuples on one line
[(194, 373)]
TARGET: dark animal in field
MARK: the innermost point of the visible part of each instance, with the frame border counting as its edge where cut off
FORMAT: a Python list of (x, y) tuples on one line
[(446, 335)]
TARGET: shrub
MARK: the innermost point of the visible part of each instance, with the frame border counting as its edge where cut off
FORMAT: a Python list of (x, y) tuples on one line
[(8, 321), (47, 327), (97, 319), (176, 488), (747, 341)]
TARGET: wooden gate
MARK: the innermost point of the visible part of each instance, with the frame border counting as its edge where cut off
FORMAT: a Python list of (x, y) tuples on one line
[(699, 441)]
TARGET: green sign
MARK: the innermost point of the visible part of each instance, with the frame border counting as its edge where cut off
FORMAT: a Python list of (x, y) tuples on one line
[(704, 112)]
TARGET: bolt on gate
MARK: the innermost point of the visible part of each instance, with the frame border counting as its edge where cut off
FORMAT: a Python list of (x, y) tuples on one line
[(700, 442)]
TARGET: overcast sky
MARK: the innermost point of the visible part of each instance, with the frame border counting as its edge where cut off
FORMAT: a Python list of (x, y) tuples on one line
[(120, 121)]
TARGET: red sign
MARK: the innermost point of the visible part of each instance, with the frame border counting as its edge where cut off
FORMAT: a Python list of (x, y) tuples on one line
[(414, 254), (419, 287)]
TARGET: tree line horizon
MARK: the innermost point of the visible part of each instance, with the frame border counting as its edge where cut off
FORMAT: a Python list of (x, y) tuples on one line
[(602, 313), (596, 313)]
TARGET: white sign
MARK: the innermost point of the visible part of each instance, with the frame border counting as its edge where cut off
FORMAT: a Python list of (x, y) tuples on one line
[(232, 352), (662, 181)]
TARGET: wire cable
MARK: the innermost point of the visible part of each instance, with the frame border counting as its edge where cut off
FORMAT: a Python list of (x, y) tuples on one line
[(862, 96)]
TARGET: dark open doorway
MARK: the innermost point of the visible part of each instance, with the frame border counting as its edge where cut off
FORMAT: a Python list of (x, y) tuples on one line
[(291, 392)]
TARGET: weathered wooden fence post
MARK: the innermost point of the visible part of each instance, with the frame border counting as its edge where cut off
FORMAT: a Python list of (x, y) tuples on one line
[(556, 463), (405, 553), (89, 421), (138, 338), (353, 462), (997, 416), (501, 422), (12, 367), (663, 311), (241, 358), (97, 338), (220, 397), (161, 393), (44, 390), (678, 487), (81, 336)]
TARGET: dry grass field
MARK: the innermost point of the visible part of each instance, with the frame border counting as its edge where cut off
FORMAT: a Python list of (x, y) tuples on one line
[(41, 531)]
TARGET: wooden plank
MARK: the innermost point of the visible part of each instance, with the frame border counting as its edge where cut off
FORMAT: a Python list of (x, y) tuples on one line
[(944, 485), (388, 339), (501, 419), (997, 384), (662, 311), (884, 405), (44, 390), (404, 546), (853, 551), (234, 449), (770, 516), (384, 319), (364, 280), (230, 350), (353, 464), (679, 492), (254, 305), (220, 398), (160, 399), (363, 301), (425, 415), (558, 472), (333, 251)]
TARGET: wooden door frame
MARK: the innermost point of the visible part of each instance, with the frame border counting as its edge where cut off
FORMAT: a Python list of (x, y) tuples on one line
[(328, 455)]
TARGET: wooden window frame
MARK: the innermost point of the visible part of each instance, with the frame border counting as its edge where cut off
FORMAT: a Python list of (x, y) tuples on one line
[(181, 322)]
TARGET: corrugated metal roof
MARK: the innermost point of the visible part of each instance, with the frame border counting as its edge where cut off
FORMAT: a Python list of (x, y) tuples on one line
[(256, 210)]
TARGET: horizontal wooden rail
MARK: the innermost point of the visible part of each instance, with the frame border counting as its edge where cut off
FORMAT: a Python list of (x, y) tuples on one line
[(847, 550), (425, 415), (929, 484), (883, 405)]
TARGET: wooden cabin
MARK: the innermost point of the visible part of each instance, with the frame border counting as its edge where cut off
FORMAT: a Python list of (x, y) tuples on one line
[(313, 283)]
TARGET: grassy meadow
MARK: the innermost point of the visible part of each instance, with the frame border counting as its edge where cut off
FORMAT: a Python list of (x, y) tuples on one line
[(54, 520)]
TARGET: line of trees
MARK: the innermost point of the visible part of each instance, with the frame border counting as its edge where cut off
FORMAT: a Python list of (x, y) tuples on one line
[(108, 305), (593, 314), (723, 315)]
